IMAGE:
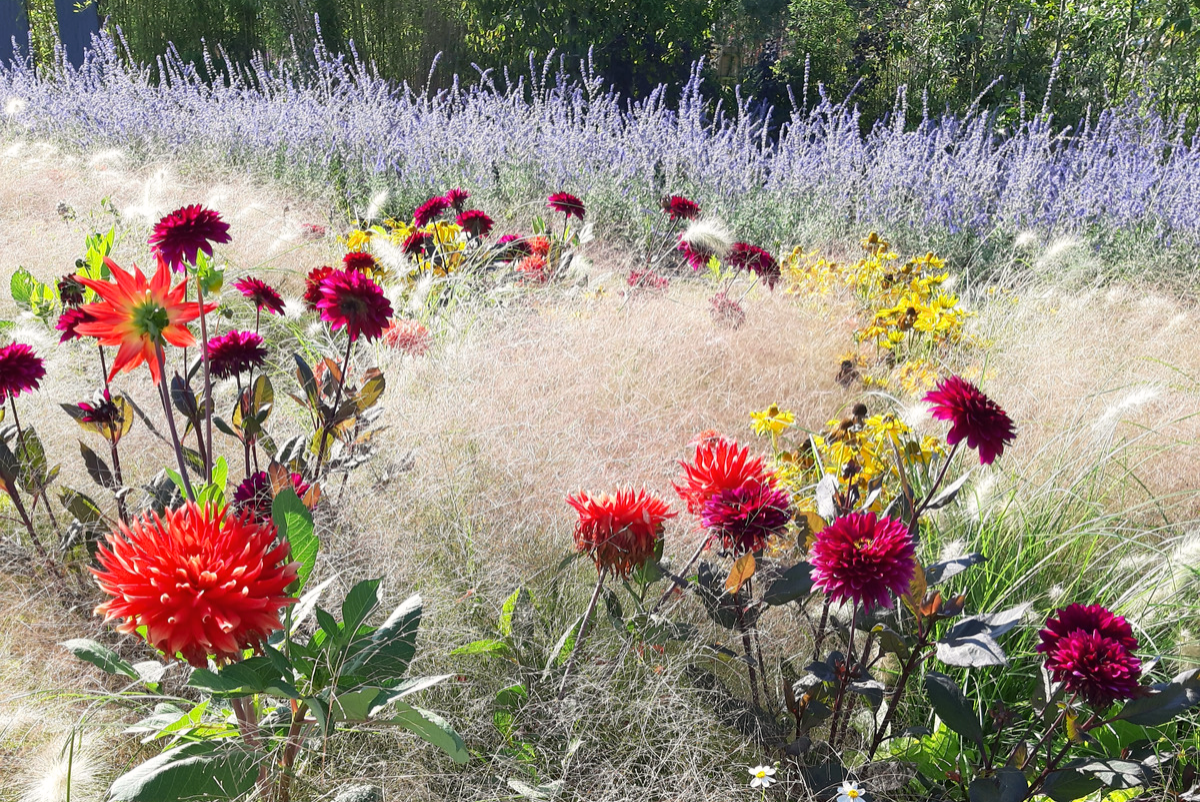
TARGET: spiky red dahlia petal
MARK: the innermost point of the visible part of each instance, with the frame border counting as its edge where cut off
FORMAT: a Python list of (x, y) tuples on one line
[(417, 243), (312, 286), (68, 323), (235, 352), (973, 417), (182, 234), (358, 260), (475, 222), (457, 198), (863, 559), (567, 204), (680, 208), (262, 294), (430, 210), (744, 518), (254, 495), (203, 583), (744, 256), (719, 464), (20, 370), (408, 336), (620, 532), (352, 301), (1089, 649)]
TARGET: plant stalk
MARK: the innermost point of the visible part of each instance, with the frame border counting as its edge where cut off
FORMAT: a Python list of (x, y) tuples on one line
[(583, 628), (337, 402), (208, 403), (164, 395)]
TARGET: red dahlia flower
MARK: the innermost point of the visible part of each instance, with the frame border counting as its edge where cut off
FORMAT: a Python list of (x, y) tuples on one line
[(417, 243), (430, 210), (744, 518), (408, 336), (513, 246), (475, 222), (234, 353), (620, 532), (718, 465), (204, 584), (726, 311), (70, 291), (1090, 651), (20, 370), (533, 269), (139, 316), (647, 280), (262, 294), (356, 303), (973, 417), (696, 257), (68, 323), (359, 260), (312, 286), (183, 233), (457, 198), (254, 495), (680, 208), (864, 559), (753, 258), (567, 204), (539, 245)]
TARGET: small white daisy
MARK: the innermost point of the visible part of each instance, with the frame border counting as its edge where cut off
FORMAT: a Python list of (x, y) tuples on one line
[(762, 777), (849, 792)]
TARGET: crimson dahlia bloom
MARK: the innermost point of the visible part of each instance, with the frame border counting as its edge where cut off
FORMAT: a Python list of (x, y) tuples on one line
[(514, 246), (254, 496), (680, 208), (262, 294), (620, 532), (475, 222), (744, 518), (430, 210), (696, 257), (567, 204), (204, 584), (417, 243), (718, 465), (744, 256), (354, 302), (312, 286), (359, 260), (68, 323), (863, 559), (234, 353), (1090, 651), (973, 417), (20, 370), (726, 311), (457, 198), (182, 234)]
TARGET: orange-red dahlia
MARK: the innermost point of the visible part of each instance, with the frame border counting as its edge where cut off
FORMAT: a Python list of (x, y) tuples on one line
[(620, 532), (539, 245), (1090, 651), (567, 204), (262, 294), (864, 559), (354, 302), (139, 316), (680, 208), (533, 269), (203, 583), (719, 465), (744, 518), (183, 233), (20, 370), (408, 336), (973, 417)]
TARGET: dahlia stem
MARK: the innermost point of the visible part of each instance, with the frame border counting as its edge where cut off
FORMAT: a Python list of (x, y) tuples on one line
[(208, 405), (583, 628), (103, 367), (819, 637), (12, 404), (745, 633), (906, 672), (121, 510), (245, 409), (337, 402), (695, 556), (16, 499), (164, 395), (290, 749), (936, 484)]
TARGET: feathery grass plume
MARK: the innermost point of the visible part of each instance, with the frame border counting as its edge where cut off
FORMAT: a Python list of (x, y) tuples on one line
[(59, 774), (708, 236)]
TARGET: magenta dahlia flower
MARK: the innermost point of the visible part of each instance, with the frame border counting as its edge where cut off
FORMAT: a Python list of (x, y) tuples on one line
[(973, 417), (458, 199), (234, 353), (475, 222), (69, 322), (744, 256), (680, 208), (514, 246), (696, 257), (1090, 651), (430, 210), (744, 518), (359, 260), (262, 294), (354, 302), (254, 495), (70, 291), (864, 559), (20, 370), (182, 234), (567, 204)]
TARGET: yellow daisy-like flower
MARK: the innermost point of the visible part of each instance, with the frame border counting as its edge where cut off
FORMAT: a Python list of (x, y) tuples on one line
[(772, 420)]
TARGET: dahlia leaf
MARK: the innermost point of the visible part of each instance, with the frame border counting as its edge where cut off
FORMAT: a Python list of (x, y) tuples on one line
[(1007, 785), (362, 599), (741, 573), (308, 601), (195, 771), (562, 649), (431, 728), (385, 655), (1165, 702), (952, 707), (937, 573), (796, 583), (949, 494), (295, 524), (100, 656), (256, 675), (97, 468), (1068, 785)]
